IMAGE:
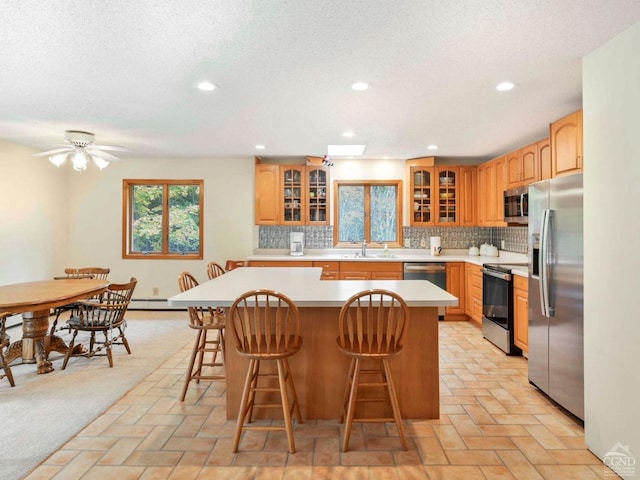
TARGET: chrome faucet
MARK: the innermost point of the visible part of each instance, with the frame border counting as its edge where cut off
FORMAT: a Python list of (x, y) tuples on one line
[(364, 248)]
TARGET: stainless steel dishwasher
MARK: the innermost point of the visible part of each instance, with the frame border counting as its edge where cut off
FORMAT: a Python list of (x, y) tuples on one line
[(435, 273)]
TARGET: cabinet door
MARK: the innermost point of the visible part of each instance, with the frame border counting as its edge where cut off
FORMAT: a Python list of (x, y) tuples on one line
[(468, 196), (468, 286), (543, 148), (317, 196), (483, 194), (521, 316), (347, 275), (455, 286), (566, 145), (514, 169), (267, 194), (447, 201), (501, 186), (291, 194), (422, 194), (530, 164), (386, 275)]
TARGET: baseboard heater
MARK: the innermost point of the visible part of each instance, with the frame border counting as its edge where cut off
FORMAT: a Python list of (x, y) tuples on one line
[(151, 304)]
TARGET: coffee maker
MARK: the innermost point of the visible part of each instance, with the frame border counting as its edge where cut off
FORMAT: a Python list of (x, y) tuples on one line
[(296, 243)]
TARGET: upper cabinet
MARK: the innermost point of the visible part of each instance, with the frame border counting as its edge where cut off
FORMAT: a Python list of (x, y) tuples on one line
[(292, 195), (523, 166), (566, 145), (421, 191), (468, 194), (543, 147), (447, 201)]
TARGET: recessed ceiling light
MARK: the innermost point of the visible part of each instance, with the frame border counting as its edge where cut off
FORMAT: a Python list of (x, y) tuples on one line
[(206, 86), (360, 86), (432, 147), (348, 134), (345, 150), (504, 86), (260, 147)]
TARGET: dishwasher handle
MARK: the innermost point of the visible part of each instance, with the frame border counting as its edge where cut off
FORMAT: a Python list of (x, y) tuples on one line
[(424, 268)]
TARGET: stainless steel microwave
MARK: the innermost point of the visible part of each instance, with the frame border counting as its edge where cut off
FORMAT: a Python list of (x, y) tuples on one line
[(516, 205)]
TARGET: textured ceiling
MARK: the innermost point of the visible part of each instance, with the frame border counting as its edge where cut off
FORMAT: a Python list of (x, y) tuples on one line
[(127, 70)]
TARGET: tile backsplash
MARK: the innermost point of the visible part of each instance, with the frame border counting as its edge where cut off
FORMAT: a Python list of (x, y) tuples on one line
[(515, 238)]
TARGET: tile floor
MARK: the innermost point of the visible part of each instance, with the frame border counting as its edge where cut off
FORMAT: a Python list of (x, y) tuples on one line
[(493, 425)]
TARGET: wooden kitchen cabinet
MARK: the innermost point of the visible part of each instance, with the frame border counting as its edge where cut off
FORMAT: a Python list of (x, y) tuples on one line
[(370, 270), (498, 195), (521, 312), (468, 196), (473, 292), (491, 185), (447, 200), (292, 194), (543, 147), (330, 270), (456, 287), (421, 191), (483, 191), (523, 167), (565, 136), (281, 263), (267, 194)]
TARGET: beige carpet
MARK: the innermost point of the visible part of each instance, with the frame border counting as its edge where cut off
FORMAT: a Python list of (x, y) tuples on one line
[(42, 412)]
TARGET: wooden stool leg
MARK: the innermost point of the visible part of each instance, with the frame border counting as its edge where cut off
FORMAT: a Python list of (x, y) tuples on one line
[(7, 369), (352, 404), (294, 395), (347, 389), (394, 403), (201, 347), (192, 360), (255, 373), (243, 404), (282, 380)]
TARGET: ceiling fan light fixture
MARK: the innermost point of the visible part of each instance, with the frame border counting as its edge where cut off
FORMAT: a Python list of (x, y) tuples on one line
[(101, 163), (58, 159), (79, 160)]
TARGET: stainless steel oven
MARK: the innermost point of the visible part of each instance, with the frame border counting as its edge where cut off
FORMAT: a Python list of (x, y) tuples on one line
[(497, 307)]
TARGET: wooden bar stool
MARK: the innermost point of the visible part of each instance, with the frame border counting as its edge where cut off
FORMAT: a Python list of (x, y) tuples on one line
[(4, 343), (203, 320), (371, 326), (266, 326)]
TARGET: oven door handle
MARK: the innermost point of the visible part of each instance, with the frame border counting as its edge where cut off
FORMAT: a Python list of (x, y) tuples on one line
[(500, 275)]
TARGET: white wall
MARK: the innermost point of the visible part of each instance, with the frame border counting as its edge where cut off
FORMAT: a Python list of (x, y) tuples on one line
[(95, 218), (33, 216), (611, 101)]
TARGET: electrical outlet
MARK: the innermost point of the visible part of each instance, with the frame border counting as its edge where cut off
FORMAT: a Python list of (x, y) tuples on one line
[(407, 243), (156, 291), (423, 243), (502, 244)]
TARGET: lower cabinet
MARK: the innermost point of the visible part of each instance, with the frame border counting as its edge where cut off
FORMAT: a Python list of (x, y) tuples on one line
[(456, 287), (330, 270), (282, 263), (370, 270), (521, 312), (473, 293)]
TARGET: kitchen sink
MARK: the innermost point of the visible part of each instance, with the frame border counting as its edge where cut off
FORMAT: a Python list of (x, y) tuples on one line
[(369, 256)]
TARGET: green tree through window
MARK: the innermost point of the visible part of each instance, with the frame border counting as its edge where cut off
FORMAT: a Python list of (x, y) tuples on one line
[(162, 218)]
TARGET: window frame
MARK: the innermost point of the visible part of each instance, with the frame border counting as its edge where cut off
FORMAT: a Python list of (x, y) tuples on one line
[(127, 189), (367, 208)]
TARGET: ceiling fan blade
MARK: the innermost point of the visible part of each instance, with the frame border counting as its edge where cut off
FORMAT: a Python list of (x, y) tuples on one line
[(52, 152), (113, 148), (104, 155)]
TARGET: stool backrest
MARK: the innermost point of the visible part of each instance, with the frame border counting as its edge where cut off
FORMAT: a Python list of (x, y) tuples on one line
[(214, 270), (186, 281), (373, 322), (264, 322)]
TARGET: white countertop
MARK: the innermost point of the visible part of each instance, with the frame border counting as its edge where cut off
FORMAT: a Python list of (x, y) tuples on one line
[(395, 255), (304, 287)]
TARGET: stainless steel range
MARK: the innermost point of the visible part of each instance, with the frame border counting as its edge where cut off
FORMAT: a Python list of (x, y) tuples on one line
[(497, 306)]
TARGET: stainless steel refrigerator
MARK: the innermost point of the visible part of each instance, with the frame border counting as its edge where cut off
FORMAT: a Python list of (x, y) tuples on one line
[(556, 258)]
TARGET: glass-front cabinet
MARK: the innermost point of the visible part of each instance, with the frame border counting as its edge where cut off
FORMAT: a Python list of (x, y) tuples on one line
[(447, 201), (292, 205), (317, 190), (421, 195)]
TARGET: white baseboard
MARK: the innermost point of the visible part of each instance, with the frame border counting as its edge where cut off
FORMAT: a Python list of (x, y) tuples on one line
[(151, 304)]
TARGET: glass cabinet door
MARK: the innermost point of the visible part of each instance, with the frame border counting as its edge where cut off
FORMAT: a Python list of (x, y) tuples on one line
[(447, 180), (317, 191), (422, 195), (291, 194)]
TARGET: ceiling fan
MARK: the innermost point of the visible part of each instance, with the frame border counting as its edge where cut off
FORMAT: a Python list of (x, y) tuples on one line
[(80, 148)]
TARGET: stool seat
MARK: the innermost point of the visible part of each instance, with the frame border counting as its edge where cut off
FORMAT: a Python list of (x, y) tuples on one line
[(371, 327)]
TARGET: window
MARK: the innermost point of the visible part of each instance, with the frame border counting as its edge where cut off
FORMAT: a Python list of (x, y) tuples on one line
[(162, 219), (369, 211)]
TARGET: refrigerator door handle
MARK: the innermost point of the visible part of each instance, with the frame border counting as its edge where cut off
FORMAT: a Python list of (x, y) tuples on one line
[(521, 205), (544, 264)]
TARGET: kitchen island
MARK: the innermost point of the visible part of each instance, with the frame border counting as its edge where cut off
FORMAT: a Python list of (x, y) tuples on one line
[(319, 368)]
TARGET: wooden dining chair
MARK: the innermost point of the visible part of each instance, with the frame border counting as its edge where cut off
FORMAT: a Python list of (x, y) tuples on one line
[(5, 340), (371, 326), (98, 273), (214, 270), (105, 316), (266, 326), (203, 320)]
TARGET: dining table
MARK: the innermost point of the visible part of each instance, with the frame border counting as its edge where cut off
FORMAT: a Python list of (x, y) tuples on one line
[(34, 300)]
